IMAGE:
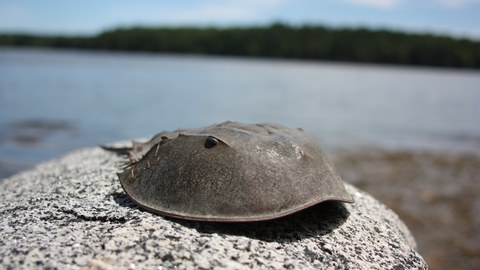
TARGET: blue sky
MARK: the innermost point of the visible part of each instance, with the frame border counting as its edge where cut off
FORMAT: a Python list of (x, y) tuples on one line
[(452, 17)]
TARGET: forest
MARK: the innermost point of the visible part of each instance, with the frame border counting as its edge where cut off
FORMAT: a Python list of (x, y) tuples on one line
[(278, 40)]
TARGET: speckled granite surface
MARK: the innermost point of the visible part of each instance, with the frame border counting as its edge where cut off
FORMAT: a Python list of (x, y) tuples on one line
[(71, 213)]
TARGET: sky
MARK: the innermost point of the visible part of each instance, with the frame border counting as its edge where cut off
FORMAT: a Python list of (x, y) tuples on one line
[(459, 18)]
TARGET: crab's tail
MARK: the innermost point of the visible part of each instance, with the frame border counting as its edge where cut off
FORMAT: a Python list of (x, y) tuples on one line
[(122, 151)]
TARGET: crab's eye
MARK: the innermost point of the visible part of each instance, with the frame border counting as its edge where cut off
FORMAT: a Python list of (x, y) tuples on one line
[(210, 142)]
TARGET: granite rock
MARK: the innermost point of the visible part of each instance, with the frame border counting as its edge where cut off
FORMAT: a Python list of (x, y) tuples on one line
[(71, 213)]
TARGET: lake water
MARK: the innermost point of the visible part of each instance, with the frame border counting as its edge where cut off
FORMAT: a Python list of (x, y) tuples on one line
[(54, 101)]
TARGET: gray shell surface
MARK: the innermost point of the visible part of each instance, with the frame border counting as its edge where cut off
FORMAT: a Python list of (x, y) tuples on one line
[(230, 172)]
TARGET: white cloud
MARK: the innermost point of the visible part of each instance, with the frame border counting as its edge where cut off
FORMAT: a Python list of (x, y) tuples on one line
[(204, 12), (231, 10), (380, 4), (13, 15)]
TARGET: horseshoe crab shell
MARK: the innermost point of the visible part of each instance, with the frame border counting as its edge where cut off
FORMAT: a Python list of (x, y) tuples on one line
[(230, 172)]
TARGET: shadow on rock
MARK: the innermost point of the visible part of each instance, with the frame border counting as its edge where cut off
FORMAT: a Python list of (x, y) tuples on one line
[(314, 221), (317, 220), (123, 200)]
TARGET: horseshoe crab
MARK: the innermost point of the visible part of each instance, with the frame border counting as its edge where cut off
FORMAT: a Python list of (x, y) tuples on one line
[(230, 172)]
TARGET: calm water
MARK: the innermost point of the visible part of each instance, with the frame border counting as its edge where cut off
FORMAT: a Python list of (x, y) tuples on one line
[(55, 101)]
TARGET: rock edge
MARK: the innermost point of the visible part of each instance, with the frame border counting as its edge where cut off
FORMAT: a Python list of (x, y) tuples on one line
[(71, 213)]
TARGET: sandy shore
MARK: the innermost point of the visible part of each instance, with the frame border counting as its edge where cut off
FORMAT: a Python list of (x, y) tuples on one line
[(436, 194)]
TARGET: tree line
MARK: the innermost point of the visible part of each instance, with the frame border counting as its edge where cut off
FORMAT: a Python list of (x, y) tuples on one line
[(276, 41)]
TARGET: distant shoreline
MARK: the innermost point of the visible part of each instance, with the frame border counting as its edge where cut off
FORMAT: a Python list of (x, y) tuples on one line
[(275, 41)]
